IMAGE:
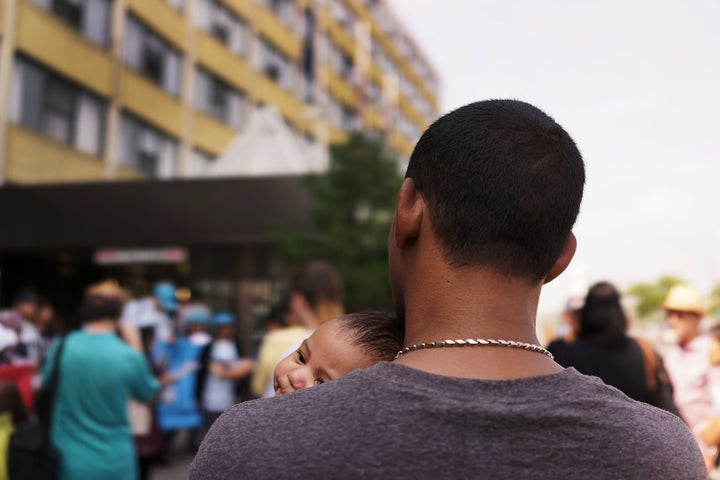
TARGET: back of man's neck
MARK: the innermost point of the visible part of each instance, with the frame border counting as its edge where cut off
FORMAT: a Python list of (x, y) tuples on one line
[(464, 304)]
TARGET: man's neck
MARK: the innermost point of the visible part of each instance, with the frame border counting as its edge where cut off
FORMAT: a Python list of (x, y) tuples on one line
[(469, 303), (101, 326)]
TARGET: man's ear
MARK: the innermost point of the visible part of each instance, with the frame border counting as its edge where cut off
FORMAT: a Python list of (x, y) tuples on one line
[(409, 214), (563, 260)]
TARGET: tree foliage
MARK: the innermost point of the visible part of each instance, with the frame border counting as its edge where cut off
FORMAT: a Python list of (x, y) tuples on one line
[(353, 206), (650, 296), (715, 301)]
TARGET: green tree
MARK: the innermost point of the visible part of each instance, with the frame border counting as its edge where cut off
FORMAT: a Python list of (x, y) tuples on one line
[(715, 301), (352, 209), (650, 296)]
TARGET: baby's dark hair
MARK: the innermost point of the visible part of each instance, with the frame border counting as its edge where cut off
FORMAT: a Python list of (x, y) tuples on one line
[(378, 332)]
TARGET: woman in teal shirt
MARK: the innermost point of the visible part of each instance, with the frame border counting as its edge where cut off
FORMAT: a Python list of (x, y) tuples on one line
[(99, 374)]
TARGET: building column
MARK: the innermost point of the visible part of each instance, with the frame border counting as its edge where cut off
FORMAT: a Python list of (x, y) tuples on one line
[(111, 155), (7, 49)]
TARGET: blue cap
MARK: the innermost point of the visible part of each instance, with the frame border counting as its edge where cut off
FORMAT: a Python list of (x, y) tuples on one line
[(198, 315), (223, 318), (165, 294)]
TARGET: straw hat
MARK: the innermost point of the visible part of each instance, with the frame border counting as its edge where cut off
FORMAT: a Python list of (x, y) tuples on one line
[(108, 288), (684, 298)]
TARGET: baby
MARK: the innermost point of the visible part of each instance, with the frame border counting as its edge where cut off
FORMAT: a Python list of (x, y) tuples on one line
[(339, 346)]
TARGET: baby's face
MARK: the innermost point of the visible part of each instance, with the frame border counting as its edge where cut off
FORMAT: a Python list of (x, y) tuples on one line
[(326, 355)]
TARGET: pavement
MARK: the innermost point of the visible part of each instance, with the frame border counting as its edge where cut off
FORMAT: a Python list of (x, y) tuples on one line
[(177, 468), (177, 465)]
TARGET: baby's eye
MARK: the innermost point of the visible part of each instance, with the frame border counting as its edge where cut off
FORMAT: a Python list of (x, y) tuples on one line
[(319, 381), (301, 357)]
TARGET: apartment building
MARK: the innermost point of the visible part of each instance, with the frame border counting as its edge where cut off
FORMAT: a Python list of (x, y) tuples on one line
[(95, 90)]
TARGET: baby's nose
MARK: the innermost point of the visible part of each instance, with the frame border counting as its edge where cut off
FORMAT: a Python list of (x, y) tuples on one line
[(301, 378)]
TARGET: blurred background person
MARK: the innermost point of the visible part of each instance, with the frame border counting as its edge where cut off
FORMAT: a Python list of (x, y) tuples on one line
[(568, 329), (47, 324), (153, 315), (179, 356), (13, 412), (20, 319), (224, 369), (99, 373), (192, 302), (688, 359), (197, 323), (275, 343), (708, 430), (316, 294), (603, 349)]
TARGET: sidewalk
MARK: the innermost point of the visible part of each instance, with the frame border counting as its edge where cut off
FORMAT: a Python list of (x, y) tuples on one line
[(177, 468), (178, 461)]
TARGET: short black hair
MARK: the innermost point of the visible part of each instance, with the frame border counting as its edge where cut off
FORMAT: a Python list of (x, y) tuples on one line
[(378, 332), (26, 296), (503, 183), (100, 307), (602, 318)]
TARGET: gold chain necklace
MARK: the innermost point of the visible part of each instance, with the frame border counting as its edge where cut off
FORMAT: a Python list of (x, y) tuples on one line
[(476, 342)]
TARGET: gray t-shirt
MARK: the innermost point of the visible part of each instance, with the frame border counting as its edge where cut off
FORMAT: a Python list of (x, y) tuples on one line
[(391, 421)]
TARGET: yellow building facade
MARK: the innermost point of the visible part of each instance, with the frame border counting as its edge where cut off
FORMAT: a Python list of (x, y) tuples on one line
[(119, 89)]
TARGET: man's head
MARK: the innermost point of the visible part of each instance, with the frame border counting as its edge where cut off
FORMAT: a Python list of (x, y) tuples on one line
[(224, 323), (684, 308), (316, 293), (25, 303), (197, 319), (165, 295), (103, 301), (502, 184)]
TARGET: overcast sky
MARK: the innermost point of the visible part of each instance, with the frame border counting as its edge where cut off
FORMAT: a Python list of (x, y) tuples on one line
[(636, 83)]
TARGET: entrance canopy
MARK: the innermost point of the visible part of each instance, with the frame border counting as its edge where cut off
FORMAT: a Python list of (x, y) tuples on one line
[(180, 212), (267, 146)]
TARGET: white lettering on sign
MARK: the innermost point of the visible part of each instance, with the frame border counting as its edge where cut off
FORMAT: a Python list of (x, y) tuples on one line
[(108, 256)]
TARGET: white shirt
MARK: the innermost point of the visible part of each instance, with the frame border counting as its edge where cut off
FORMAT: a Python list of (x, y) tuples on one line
[(144, 313), (219, 394)]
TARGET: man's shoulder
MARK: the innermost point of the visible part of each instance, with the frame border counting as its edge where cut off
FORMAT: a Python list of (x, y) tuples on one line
[(360, 425)]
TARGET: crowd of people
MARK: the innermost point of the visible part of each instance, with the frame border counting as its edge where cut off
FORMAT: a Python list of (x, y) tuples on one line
[(135, 373), (685, 381), (142, 375), (455, 382)]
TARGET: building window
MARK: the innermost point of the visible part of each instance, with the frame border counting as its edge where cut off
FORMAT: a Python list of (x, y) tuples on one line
[(348, 118), (147, 149), (284, 10), (91, 17), (152, 57), (374, 96), (274, 64), (221, 23), (218, 99), (49, 104), (201, 163), (343, 15), (177, 4), (346, 65), (334, 111)]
